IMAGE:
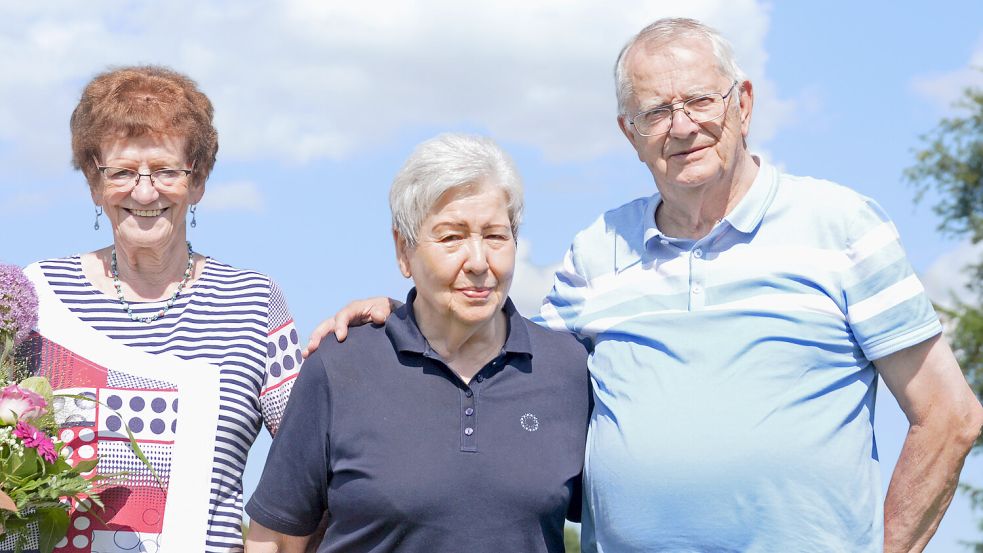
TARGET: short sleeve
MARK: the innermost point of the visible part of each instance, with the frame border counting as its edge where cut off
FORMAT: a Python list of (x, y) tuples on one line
[(562, 307), (283, 360), (886, 304), (292, 493)]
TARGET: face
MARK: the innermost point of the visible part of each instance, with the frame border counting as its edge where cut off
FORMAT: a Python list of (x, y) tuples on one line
[(464, 258), (145, 215), (690, 155)]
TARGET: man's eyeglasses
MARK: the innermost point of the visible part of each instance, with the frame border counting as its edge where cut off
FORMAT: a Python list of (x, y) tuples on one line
[(700, 109), (120, 177)]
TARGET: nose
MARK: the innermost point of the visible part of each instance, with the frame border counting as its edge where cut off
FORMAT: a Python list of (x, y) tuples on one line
[(144, 190), (477, 260), (682, 126)]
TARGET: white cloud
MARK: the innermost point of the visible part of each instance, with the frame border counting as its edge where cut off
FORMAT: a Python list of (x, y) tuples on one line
[(946, 88), (304, 79), (947, 277), (531, 282), (233, 196)]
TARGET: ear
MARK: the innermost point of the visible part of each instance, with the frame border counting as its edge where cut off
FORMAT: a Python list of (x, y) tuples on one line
[(626, 129), (402, 254), (747, 104), (196, 192)]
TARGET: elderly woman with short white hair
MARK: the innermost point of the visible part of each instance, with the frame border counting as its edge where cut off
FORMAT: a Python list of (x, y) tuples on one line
[(459, 425)]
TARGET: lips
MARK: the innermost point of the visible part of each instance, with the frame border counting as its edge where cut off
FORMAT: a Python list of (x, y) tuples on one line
[(689, 151), (476, 293)]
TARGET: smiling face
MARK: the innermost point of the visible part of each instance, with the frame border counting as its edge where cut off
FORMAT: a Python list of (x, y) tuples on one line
[(690, 155), (464, 258), (145, 216)]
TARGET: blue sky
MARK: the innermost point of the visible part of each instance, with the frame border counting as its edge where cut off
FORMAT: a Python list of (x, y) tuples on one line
[(317, 105)]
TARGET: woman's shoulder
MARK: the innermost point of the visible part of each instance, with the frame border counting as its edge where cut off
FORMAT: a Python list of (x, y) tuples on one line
[(57, 269), (361, 341), (70, 261), (217, 275), (554, 343), (216, 269), (365, 352)]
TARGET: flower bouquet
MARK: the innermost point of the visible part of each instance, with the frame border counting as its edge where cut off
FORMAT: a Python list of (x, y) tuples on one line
[(37, 484)]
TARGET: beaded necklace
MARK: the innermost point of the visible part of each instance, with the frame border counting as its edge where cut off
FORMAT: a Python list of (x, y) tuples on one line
[(170, 302)]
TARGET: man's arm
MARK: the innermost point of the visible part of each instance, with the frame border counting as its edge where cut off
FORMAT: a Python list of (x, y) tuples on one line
[(944, 419), (261, 539), (357, 313)]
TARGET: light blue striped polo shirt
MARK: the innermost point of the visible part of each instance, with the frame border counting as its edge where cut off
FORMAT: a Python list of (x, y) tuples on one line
[(733, 377)]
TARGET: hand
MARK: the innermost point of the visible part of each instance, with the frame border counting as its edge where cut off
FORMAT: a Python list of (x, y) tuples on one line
[(357, 313)]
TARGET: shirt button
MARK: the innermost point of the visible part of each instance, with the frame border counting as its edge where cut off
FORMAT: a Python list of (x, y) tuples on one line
[(480, 378), (696, 289), (697, 252), (468, 393), (664, 242), (468, 431), (469, 411)]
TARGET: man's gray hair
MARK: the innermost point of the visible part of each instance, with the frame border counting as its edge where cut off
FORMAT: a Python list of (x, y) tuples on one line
[(445, 162), (665, 31)]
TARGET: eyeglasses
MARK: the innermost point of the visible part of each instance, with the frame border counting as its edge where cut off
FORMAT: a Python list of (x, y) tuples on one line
[(700, 109), (120, 177)]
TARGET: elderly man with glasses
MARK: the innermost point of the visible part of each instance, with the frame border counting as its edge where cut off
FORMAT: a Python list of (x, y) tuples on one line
[(738, 320)]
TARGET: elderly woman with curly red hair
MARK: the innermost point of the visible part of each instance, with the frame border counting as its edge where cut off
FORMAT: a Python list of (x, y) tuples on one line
[(144, 139)]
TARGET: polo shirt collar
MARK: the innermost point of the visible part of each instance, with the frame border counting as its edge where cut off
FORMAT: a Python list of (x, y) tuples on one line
[(745, 217), (649, 230), (404, 332), (750, 211)]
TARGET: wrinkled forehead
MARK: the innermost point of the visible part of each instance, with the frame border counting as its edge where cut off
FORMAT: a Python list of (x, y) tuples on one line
[(143, 145), (485, 192), (665, 71)]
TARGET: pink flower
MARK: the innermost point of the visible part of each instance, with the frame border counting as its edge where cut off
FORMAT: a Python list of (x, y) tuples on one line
[(32, 437), (17, 403)]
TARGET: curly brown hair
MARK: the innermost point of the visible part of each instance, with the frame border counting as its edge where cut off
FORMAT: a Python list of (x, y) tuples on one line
[(141, 100)]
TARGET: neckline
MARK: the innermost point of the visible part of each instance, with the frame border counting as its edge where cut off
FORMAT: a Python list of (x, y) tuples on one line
[(189, 290)]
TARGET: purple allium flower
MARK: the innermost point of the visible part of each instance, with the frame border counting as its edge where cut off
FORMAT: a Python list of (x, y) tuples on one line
[(18, 303), (32, 437)]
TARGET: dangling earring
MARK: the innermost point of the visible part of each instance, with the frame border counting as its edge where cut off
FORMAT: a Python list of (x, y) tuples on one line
[(98, 213), (194, 222)]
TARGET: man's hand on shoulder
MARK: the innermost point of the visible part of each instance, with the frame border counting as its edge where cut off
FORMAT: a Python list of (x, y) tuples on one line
[(357, 313)]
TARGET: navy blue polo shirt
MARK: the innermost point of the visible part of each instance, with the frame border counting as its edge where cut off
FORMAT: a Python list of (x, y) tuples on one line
[(405, 456)]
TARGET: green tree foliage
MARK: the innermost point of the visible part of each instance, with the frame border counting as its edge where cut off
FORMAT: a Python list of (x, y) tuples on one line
[(571, 540), (951, 164)]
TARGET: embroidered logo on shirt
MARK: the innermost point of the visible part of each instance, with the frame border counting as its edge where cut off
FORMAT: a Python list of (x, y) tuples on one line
[(529, 422)]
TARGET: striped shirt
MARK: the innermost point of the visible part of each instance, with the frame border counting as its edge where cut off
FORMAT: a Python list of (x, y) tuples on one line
[(733, 376), (229, 317)]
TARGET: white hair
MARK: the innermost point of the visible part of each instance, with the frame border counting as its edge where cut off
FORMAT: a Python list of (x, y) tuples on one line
[(665, 31), (445, 162)]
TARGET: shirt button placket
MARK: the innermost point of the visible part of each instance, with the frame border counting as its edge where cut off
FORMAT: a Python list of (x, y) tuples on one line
[(469, 420), (697, 272)]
